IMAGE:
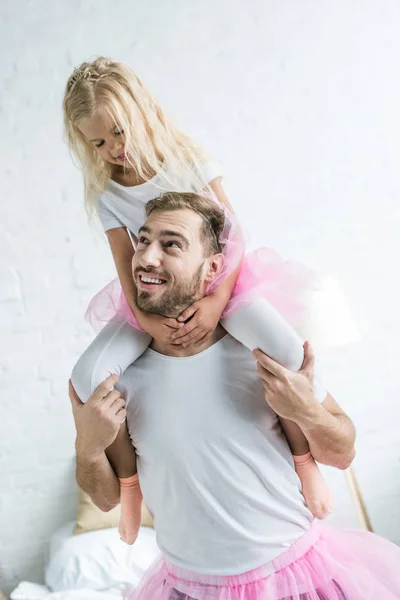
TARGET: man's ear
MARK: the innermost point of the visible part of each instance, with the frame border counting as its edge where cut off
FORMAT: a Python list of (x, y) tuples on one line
[(215, 266)]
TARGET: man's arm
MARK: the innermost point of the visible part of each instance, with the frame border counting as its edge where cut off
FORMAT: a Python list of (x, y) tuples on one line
[(98, 423), (329, 431), (96, 477)]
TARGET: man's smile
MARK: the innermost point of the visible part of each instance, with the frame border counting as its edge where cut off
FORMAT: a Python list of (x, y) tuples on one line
[(149, 281)]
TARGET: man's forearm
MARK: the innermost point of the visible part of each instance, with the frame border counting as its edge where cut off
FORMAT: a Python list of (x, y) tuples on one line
[(331, 437), (96, 477)]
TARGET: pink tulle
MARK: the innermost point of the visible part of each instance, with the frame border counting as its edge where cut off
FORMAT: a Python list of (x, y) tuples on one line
[(284, 284), (110, 304), (325, 564), (233, 247)]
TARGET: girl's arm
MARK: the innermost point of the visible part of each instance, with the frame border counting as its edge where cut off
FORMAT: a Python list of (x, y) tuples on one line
[(207, 312), (219, 191), (122, 250), (223, 292)]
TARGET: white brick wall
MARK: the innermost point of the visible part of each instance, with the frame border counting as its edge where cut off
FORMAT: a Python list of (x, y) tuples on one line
[(300, 101)]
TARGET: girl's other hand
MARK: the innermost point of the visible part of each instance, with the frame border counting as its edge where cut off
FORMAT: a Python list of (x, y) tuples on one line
[(158, 326), (199, 322)]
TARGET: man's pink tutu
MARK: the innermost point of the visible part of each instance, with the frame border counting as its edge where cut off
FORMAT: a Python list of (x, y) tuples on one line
[(324, 564), (284, 284)]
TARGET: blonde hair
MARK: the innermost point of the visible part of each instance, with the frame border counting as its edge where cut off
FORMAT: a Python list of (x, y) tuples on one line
[(152, 142)]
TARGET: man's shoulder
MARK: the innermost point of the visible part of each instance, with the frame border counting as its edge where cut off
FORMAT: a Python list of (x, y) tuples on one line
[(233, 346), (234, 354), (226, 351), (227, 347)]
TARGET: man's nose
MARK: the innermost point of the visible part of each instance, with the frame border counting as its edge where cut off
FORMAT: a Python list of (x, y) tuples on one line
[(151, 257)]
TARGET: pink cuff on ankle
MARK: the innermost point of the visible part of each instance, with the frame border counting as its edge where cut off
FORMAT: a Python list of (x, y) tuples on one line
[(301, 460), (129, 482)]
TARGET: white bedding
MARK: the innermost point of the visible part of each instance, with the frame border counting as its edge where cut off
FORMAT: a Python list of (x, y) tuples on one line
[(33, 591), (91, 566)]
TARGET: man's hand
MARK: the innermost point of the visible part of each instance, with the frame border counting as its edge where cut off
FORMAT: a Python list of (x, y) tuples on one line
[(290, 394), (98, 421), (204, 316)]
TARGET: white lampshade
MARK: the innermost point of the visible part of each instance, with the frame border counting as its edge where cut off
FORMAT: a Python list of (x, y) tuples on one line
[(329, 321)]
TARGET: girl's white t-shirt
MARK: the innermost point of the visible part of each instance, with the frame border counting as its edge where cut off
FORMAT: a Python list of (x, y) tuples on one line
[(120, 206), (215, 468)]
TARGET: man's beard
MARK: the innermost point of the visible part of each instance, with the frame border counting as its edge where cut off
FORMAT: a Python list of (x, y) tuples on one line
[(173, 301)]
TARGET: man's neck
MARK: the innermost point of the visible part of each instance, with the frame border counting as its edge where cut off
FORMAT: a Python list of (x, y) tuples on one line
[(191, 349)]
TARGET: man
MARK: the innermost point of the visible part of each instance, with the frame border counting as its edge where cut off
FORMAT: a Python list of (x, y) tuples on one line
[(215, 468)]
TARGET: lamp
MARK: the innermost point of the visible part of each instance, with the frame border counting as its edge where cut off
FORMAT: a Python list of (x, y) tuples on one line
[(329, 323)]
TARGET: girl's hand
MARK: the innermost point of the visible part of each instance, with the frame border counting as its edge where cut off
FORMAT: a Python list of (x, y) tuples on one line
[(204, 316), (158, 326)]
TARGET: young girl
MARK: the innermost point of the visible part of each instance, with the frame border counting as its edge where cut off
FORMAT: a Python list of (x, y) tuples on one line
[(130, 153)]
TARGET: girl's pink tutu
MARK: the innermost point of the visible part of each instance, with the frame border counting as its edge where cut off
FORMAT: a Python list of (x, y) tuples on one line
[(324, 564), (110, 304), (284, 284)]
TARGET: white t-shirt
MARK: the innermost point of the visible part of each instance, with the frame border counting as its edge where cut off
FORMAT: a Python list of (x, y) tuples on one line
[(120, 206), (215, 468)]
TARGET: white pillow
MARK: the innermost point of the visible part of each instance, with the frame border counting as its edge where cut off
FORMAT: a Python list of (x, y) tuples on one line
[(32, 591), (98, 559)]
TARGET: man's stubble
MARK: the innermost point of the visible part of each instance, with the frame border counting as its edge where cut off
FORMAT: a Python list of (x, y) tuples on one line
[(174, 301)]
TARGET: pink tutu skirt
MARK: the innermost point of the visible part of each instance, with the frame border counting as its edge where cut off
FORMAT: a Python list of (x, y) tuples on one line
[(324, 564), (284, 284)]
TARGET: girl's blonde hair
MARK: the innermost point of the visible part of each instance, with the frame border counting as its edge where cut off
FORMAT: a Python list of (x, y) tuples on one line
[(152, 141)]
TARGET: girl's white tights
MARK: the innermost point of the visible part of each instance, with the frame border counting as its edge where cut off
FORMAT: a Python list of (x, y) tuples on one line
[(256, 325)]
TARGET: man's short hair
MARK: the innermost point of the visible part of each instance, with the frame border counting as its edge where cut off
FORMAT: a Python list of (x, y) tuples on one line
[(212, 215)]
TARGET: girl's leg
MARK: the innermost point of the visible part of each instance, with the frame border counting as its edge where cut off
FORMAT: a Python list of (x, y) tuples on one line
[(314, 488), (122, 457), (257, 324), (116, 347)]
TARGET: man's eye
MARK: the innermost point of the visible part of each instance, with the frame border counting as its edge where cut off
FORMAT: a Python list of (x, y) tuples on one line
[(100, 144), (173, 245), (143, 240)]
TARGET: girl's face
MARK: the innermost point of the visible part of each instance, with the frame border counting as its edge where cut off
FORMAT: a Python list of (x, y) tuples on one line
[(108, 141)]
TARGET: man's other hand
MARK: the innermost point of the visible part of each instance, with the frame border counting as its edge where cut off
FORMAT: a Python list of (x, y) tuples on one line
[(97, 421)]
